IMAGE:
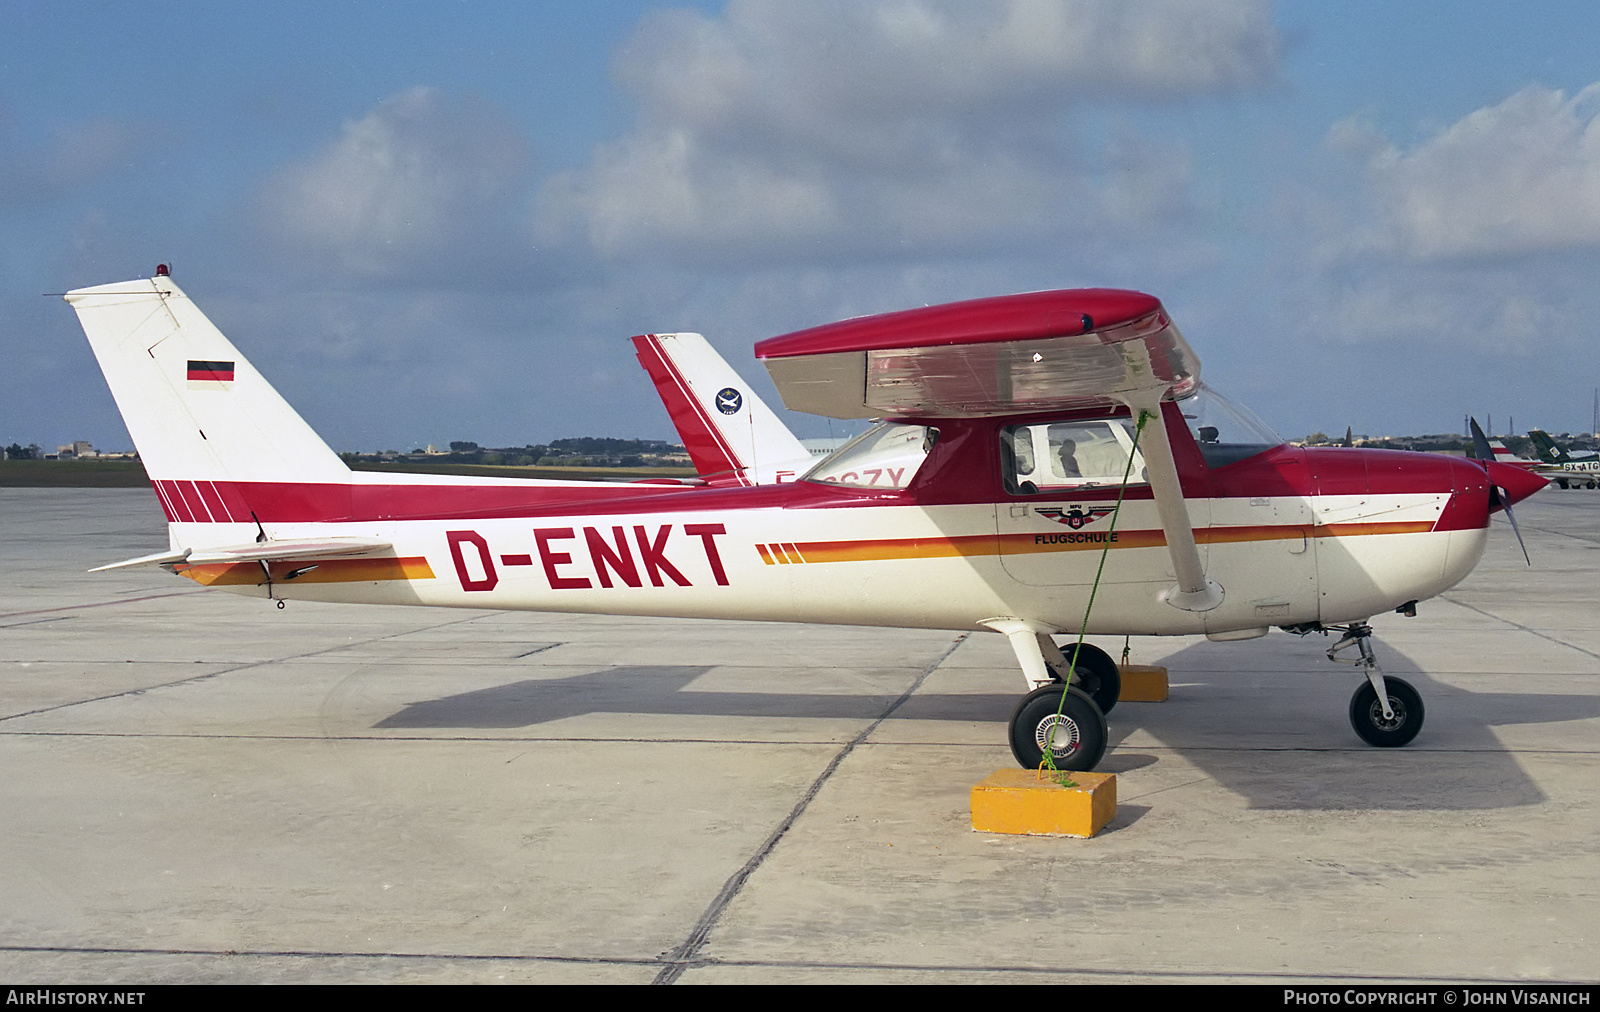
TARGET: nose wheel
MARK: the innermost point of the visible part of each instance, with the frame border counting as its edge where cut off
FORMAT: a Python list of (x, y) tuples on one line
[(1395, 728), (1386, 712)]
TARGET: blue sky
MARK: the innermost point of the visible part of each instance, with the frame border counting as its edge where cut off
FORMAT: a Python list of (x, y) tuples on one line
[(437, 221)]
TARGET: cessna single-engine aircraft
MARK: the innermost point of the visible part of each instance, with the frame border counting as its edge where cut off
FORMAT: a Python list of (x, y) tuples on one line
[(1024, 441)]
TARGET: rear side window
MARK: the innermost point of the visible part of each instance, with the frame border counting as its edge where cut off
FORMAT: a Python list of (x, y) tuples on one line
[(1044, 457)]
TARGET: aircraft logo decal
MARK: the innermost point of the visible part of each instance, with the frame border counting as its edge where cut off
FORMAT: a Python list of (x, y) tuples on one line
[(1075, 517), (729, 401)]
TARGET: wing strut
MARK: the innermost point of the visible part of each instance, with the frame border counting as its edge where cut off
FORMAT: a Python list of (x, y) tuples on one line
[(1193, 591)]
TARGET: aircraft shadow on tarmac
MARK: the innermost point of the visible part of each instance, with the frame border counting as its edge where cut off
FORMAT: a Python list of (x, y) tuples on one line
[(1275, 735)]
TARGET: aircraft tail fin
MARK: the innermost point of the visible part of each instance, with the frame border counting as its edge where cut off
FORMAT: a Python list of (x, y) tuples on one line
[(1546, 447), (730, 433), (205, 423), (1502, 452), (1497, 450)]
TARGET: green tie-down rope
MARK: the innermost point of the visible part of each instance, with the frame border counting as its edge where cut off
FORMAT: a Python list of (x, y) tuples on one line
[(1049, 761)]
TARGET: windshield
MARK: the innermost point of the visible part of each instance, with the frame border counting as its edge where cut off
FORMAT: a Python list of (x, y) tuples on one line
[(1224, 431), (885, 456)]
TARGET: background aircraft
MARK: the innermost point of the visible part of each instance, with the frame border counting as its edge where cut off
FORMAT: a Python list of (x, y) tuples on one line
[(1048, 464), (1566, 469), (733, 438)]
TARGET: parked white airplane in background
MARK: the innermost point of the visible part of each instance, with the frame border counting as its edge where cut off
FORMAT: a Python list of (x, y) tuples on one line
[(1038, 453), (733, 438)]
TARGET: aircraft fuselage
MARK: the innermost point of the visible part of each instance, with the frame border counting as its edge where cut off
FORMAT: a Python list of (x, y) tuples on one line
[(1293, 536)]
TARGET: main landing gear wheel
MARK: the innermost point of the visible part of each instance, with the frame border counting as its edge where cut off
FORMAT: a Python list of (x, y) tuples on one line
[(1079, 740), (1366, 714), (1097, 674)]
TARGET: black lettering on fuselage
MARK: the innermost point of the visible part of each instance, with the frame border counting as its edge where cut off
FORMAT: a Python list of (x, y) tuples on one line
[(1075, 538)]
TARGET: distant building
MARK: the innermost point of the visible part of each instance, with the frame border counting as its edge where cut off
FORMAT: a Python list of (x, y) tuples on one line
[(82, 449)]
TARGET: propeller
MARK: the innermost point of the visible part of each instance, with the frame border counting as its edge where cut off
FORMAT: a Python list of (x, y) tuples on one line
[(1497, 495)]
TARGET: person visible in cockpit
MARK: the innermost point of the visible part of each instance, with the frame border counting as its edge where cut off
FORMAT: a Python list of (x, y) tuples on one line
[(1069, 459)]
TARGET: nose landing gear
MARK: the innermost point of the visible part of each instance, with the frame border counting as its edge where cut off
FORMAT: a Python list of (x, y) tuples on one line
[(1386, 712)]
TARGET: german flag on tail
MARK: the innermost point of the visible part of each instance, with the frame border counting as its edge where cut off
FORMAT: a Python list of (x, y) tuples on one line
[(210, 375)]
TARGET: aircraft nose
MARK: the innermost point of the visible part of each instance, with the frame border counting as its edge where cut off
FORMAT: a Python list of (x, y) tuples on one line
[(1518, 482)]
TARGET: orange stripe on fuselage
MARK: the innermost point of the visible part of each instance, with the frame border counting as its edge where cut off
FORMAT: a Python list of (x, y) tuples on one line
[(887, 549), (1392, 527), (223, 574)]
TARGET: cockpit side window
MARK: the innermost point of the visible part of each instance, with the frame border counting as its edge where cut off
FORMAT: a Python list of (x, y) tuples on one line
[(1045, 457)]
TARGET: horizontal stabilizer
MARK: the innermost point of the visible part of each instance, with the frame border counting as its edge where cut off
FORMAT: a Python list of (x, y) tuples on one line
[(157, 559), (258, 551), (267, 551)]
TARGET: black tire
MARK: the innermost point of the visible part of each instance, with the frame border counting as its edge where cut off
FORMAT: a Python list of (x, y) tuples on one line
[(1366, 716), (1080, 733), (1097, 674)]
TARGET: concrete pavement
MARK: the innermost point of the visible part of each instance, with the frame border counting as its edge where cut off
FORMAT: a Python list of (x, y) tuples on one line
[(199, 787)]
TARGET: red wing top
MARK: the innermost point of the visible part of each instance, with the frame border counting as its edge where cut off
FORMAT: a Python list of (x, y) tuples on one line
[(1041, 351)]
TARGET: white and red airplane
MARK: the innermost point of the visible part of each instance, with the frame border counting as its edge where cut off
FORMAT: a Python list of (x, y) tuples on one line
[(1024, 439)]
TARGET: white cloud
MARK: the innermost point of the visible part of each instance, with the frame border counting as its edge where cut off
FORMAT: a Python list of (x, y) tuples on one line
[(904, 125), (68, 158), (1521, 177), (424, 177)]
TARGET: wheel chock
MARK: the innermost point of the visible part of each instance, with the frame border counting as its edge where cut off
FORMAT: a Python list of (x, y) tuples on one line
[(1031, 803), (1143, 683)]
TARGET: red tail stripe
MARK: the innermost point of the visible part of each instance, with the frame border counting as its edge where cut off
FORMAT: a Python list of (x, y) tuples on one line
[(202, 511), (707, 448), (166, 503), (294, 502), (181, 500), (212, 501)]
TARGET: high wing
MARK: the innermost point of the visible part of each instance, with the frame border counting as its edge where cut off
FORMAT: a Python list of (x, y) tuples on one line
[(1043, 351), (1068, 350)]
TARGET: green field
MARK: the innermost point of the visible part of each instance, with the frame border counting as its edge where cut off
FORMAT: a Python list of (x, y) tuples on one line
[(72, 474), (130, 473)]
